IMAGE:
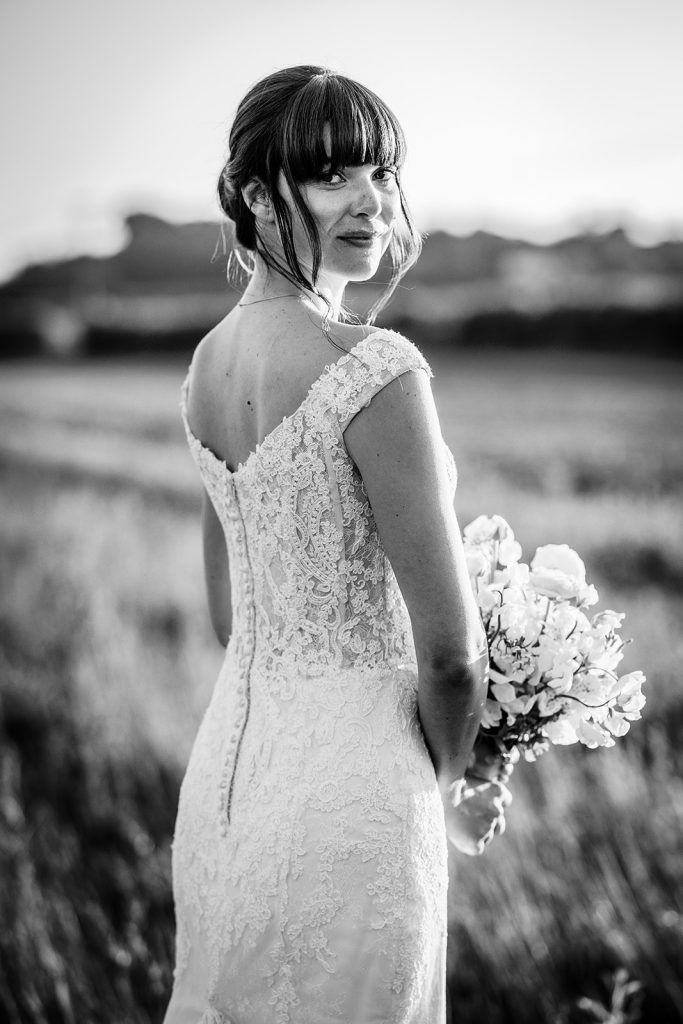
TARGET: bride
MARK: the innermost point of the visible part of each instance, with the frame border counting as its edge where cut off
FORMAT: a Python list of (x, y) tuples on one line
[(338, 752)]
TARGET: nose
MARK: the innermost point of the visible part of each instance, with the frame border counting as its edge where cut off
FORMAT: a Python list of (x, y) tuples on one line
[(367, 200)]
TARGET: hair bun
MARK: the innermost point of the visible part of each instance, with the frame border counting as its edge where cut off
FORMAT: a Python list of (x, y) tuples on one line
[(229, 195), (233, 206)]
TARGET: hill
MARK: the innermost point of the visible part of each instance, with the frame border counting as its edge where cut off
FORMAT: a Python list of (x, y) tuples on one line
[(168, 283)]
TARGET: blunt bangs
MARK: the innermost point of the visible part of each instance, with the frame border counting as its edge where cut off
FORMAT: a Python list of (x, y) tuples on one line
[(362, 130)]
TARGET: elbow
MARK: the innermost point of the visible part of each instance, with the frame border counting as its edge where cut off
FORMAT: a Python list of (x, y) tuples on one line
[(222, 628), (223, 637), (472, 676), (460, 658), (464, 673)]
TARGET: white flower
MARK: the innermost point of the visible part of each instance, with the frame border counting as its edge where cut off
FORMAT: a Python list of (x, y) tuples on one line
[(548, 702), (589, 596), (492, 714), (594, 687), (503, 692), (630, 699), (562, 731), (518, 574), (557, 571), (513, 619), (477, 562), (592, 735), (487, 597), (608, 658), (487, 528), (617, 724), (567, 619), (520, 615), (509, 551), (522, 704), (607, 621)]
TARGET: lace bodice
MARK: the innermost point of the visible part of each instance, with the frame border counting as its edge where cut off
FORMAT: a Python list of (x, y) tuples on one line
[(305, 556), (326, 815)]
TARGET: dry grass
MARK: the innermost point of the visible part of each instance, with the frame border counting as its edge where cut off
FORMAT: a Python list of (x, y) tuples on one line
[(108, 660)]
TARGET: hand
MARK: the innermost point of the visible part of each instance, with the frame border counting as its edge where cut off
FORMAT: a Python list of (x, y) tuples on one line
[(475, 813), (488, 762), (475, 806)]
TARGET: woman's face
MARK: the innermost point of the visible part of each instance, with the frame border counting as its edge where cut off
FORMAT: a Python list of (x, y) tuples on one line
[(355, 209)]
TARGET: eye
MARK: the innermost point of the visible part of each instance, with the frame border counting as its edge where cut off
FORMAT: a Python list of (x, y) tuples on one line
[(327, 177), (387, 173)]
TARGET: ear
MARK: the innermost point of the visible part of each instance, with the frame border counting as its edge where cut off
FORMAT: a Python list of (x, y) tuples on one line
[(257, 198)]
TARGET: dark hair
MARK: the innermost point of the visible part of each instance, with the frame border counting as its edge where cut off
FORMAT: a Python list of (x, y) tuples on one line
[(279, 126)]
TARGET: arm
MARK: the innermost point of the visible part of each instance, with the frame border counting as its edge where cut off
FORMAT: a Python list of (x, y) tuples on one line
[(216, 571), (396, 443)]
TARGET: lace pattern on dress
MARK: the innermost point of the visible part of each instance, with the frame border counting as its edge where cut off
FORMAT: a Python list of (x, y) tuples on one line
[(326, 814)]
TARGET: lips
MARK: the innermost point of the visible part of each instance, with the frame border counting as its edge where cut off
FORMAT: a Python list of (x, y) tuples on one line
[(364, 236), (361, 240)]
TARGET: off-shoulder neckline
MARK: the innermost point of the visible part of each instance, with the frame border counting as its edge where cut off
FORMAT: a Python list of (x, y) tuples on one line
[(267, 440)]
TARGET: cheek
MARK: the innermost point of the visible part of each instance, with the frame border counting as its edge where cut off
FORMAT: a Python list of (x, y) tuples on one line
[(327, 209), (392, 205), (313, 204), (391, 215)]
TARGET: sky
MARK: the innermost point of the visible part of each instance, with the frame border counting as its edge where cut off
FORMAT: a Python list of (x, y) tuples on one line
[(533, 118)]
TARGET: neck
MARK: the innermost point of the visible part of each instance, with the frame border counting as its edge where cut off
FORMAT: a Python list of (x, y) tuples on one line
[(266, 283)]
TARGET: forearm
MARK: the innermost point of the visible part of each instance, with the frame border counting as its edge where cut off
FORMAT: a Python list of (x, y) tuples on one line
[(218, 594), (216, 573), (222, 625), (450, 705)]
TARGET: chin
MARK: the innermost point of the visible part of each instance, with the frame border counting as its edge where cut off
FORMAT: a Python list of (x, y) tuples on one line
[(363, 275), (361, 270)]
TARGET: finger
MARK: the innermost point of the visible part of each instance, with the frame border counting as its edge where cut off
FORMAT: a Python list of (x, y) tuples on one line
[(505, 795), (499, 825), (481, 846), (493, 831)]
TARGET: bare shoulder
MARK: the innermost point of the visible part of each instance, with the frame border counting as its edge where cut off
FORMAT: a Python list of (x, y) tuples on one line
[(266, 362), (349, 335), (317, 348), (210, 370), (302, 349), (208, 348)]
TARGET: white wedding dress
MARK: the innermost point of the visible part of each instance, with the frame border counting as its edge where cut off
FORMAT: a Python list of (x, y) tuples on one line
[(310, 853)]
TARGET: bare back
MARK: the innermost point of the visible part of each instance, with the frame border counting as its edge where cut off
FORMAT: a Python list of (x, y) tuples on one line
[(253, 370)]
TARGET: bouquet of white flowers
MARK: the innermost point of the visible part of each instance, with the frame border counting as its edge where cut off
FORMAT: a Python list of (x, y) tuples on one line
[(552, 668)]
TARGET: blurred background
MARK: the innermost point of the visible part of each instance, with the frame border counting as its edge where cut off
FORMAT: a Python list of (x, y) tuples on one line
[(544, 169)]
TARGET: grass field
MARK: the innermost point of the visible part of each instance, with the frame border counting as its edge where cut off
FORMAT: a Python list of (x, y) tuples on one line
[(108, 661)]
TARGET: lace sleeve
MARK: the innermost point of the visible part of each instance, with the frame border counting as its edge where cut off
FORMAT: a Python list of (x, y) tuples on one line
[(370, 366)]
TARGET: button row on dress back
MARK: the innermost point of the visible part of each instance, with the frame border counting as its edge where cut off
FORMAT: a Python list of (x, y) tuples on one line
[(246, 648)]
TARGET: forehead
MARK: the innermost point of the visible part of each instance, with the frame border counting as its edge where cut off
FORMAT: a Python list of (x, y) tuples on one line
[(320, 135), (331, 150)]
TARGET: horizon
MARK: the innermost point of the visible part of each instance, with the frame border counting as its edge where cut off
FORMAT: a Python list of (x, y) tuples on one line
[(581, 233)]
